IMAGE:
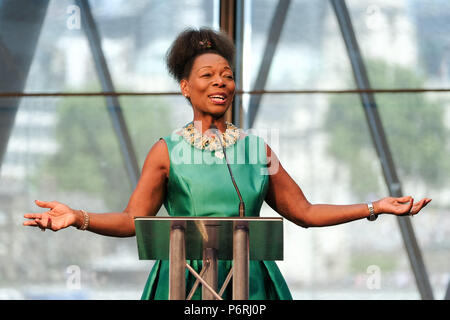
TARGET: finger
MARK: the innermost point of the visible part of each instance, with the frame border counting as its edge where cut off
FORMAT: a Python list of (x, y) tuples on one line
[(418, 206), (404, 199), (30, 223), (422, 202), (426, 201), (33, 216), (45, 204), (409, 206)]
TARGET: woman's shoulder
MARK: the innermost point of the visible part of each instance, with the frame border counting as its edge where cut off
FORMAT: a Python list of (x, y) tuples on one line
[(158, 156), (171, 140)]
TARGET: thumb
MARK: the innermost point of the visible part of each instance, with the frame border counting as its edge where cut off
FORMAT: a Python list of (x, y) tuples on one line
[(45, 204)]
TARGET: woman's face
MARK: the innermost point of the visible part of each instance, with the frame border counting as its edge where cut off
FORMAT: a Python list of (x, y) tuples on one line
[(210, 86)]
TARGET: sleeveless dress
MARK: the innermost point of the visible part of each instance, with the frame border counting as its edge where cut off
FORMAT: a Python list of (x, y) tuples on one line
[(199, 184)]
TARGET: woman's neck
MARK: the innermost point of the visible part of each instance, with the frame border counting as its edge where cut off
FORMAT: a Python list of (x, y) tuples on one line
[(204, 124)]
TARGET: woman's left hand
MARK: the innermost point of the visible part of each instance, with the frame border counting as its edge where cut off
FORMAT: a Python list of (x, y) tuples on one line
[(400, 206)]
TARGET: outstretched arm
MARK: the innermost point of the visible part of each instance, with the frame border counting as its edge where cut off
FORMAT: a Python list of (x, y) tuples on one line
[(286, 198), (146, 200)]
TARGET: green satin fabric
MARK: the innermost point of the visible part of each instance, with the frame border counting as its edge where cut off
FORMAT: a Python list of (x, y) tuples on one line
[(200, 185)]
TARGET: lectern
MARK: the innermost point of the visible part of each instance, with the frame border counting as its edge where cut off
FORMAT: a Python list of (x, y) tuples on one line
[(210, 239)]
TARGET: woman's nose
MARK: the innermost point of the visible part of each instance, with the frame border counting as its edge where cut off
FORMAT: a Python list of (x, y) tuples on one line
[(218, 82)]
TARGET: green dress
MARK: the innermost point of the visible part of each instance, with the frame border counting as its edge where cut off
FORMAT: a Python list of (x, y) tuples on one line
[(199, 184)]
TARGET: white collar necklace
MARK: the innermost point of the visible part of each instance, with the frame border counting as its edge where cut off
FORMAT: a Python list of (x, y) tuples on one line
[(211, 143)]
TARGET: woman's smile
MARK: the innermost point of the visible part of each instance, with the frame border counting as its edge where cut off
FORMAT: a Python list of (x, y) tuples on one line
[(219, 98)]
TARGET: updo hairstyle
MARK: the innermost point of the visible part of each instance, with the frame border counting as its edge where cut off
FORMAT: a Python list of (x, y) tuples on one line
[(191, 43)]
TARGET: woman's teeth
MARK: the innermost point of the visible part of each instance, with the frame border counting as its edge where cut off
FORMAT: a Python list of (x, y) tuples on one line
[(217, 98)]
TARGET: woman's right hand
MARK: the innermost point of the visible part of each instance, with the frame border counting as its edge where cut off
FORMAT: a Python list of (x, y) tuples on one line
[(59, 216)]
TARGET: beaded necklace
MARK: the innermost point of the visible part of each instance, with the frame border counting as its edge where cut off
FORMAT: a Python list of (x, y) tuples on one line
[(211, 143)]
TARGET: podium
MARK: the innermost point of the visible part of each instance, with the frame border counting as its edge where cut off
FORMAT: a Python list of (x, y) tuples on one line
[(210, 239)]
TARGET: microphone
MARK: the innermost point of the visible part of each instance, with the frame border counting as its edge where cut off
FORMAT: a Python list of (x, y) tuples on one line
[(241, 202)]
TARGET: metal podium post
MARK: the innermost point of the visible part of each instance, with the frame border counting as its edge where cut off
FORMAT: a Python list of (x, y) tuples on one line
[(240, 260), (177, 284)]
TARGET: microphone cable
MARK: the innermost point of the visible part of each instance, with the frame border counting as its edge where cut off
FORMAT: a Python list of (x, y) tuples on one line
[(241, 202)]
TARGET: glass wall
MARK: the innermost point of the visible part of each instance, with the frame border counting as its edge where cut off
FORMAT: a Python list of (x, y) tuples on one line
[(66, 148), (325, 143)]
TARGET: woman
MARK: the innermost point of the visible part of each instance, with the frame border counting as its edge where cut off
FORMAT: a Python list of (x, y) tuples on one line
[(202, 62)]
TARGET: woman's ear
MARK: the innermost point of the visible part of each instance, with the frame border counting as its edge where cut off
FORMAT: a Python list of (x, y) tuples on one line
[(184, 86)]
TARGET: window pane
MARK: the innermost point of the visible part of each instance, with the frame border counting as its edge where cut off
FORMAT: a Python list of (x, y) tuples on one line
[(135, 36), (310, 53), (66, 149), (325, 146), (411, 35), (150, 118), (417, 128)]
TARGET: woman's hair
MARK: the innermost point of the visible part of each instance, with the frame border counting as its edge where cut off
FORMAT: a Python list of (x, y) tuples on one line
[(191, 43)]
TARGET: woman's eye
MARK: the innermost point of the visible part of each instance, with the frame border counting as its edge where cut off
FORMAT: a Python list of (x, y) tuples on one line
[(206, 75)]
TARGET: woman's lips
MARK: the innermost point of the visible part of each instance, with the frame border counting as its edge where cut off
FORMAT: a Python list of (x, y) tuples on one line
[(218, 98)]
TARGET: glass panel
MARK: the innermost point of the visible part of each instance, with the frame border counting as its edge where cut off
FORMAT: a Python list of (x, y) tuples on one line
[(417, 128), (152, 117), (134, 37), (310, 52), (63, 60), (404, 45), (324, 144), (65, 149), (410, 34)]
